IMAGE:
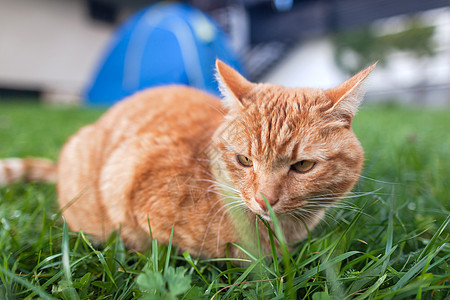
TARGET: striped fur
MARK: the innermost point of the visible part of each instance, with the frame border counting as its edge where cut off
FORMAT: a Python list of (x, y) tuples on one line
[(168, 157), (28, 169)]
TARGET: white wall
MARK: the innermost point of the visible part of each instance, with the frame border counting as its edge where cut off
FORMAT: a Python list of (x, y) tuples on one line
[(50, 45), (311, 64)]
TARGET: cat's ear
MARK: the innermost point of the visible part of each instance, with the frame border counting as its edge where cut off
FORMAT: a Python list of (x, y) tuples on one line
[(233, 86), (348, 95)]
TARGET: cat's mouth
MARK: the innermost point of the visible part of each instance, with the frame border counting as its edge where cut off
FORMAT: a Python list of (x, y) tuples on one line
[(279, 211)]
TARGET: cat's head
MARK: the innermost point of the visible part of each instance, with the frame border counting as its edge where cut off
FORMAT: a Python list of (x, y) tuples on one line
[(295, 146)]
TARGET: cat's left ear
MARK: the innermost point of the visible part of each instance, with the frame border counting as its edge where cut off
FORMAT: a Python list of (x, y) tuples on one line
[(348, 95), (233, 86)]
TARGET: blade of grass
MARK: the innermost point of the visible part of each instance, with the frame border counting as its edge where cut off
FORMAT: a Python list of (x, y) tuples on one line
[(372, 289), (100, 257), (188, 258), (368, 274), (4, 279), (434, 238), (26, 284), (416, 269), (169, 248), (154, 256), (261, 286), (352, 223), (66, 262), (272, 247), (267, 268), (390, 234), (239, 280), (284, 251), (298, 282)]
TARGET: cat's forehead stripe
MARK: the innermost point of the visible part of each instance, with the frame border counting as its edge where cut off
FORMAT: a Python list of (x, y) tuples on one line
[(294, 152), (280, 124)]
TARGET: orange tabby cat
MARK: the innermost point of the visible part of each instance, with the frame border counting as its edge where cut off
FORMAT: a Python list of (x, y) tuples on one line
[(177, 156)]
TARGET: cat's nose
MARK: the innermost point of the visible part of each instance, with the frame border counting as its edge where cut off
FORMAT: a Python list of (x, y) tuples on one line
[(260, 200)]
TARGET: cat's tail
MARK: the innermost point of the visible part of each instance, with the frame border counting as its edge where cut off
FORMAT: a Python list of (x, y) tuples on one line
[(27, 169)]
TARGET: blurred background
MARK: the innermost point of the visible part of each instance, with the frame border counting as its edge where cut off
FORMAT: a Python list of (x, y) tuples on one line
[(98, 51)]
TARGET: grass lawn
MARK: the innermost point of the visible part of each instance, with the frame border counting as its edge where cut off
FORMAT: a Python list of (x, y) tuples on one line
[(389, 240)]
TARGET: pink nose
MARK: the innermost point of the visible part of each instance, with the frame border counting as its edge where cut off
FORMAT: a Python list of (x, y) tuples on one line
[(260, 200)]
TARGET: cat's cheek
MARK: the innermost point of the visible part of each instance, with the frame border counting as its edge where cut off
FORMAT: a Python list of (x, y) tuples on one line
[(248, 198), (300, 187), (299, 183)]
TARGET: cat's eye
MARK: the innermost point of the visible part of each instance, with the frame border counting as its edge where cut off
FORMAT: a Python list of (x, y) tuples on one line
[(244, 160), (303, 166)]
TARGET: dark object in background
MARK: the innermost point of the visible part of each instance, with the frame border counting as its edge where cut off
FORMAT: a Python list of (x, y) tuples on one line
[(103, 11), (19, 94)]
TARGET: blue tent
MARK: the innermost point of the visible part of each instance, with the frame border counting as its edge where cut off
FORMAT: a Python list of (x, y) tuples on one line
[(162, 44)]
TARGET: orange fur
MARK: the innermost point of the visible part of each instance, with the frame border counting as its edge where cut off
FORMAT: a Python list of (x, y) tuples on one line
[(28, 169), (168, 157)]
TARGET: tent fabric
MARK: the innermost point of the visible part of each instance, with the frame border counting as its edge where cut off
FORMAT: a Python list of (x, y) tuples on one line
[(162, 44)]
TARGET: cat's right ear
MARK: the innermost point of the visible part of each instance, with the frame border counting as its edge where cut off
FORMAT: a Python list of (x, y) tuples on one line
[(233, 86)]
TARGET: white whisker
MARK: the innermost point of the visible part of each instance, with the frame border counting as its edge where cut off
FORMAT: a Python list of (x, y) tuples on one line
[(343, 196), (221, 185), (236, 200), (229, 208), (379, 181)]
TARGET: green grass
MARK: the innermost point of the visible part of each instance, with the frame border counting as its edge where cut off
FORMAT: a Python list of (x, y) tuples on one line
[(391, 243)]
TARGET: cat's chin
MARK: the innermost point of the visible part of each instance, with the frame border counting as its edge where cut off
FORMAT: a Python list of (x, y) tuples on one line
[(266, 217)]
